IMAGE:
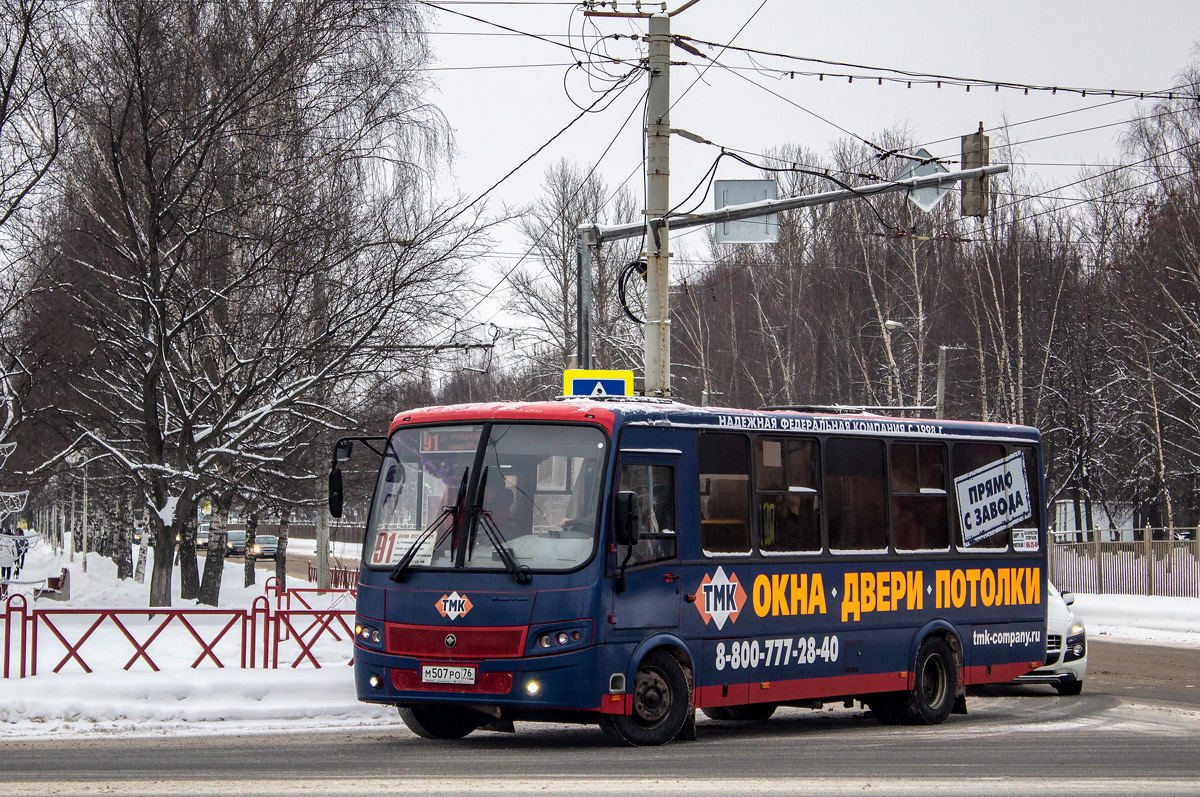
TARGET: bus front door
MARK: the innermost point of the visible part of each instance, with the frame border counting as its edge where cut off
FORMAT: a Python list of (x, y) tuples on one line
[(647, 576)]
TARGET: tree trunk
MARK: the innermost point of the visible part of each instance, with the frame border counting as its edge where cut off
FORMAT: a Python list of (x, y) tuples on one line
[(122, 553), (285, 519), (321, 529), (164, 552), (251, 533), (214, 563), (189, 573)]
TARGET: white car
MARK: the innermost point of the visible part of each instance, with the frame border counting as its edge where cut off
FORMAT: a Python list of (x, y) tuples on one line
[(1066, 646)]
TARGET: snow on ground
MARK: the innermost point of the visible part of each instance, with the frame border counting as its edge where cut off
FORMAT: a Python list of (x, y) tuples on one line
[(181, 701), (177, 699), (1174, 622)]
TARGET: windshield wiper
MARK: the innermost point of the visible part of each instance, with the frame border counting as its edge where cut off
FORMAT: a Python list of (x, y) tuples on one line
[(519, 573), (451, 512)]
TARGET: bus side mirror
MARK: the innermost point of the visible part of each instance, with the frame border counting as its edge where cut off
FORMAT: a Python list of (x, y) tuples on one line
[(335, 492), (627, 518), (343, 450)]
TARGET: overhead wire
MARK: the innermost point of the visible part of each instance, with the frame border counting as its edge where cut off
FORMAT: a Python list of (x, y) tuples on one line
[(1047, 117), (440, 6), (595, 58), (535, 244), (957, 80), (1104, 173), (722, 49)]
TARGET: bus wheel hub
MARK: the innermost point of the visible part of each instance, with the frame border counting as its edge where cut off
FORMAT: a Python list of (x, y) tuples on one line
[(651, 696)]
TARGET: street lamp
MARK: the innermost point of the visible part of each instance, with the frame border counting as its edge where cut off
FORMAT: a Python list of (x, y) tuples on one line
[(78, 458), (940, 404), (900, 326)]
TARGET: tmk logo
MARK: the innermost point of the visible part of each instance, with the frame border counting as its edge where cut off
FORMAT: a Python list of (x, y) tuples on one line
[(455, 606), (721, 598)]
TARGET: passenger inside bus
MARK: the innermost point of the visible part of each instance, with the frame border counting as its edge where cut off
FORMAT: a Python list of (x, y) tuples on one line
[(499, 504)]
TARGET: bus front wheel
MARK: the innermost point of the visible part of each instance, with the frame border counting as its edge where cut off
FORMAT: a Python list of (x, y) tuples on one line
[(662, 703), (440, 722)]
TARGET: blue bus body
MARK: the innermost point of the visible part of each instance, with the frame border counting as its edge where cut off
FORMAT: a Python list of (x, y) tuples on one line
[(747, 627)]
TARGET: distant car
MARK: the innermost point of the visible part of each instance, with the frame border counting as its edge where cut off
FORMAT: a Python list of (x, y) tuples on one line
[(1066, 646), (137, 536), (202, 535), (265, 546), (235, 543)]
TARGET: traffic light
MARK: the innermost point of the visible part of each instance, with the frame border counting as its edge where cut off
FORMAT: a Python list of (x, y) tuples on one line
[(975, 155)]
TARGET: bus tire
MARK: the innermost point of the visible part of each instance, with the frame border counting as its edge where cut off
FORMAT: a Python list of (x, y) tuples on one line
[(935, 683), (440, 722), (662, 703), (755, 712)]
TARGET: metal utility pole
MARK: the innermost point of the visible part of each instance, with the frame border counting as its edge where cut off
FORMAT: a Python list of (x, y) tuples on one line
[(657, 227), (658, 174), (940, 413), (586, 241)]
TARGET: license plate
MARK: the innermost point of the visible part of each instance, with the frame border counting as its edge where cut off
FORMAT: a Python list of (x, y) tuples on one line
[(442, 674)]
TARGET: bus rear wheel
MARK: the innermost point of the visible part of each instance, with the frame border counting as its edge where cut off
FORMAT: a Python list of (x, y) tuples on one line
[(935, 684), (756, 712), (935, 687), (440, 722), (662, 703)]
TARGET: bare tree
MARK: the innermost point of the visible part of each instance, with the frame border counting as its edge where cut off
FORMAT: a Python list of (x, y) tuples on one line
[(246, 225), (545, 292), (32, 98)]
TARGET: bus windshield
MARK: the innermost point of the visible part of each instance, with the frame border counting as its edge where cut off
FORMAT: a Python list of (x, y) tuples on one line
[(531, 496)]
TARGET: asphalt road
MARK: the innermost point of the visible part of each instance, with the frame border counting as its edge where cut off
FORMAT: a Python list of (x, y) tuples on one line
[(1134, 729), (297, 563)]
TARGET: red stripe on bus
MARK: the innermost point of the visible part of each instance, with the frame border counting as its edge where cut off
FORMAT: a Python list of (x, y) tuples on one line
[(999, 674), (576, 411), (800, 689)]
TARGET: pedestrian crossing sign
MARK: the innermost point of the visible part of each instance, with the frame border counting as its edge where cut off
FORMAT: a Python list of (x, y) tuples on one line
[(580, 382)]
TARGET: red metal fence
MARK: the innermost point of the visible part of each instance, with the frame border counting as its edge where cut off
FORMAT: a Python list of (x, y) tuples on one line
[(258, 637), (339, 577)]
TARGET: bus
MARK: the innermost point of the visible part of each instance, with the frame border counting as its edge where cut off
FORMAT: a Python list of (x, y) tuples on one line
[(627, 561)]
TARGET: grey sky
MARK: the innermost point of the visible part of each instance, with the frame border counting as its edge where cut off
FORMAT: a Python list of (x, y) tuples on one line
[(502, 115)]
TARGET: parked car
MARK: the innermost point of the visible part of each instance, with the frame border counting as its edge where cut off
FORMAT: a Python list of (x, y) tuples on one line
[(235, 543), (265, 546), (1066, 646)]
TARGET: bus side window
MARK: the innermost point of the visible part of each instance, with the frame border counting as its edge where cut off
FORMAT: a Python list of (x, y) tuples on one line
[(786, 497), (655, 489), (1034, 476), (724, 493), (855, 494), (969, 457), (919, 497)]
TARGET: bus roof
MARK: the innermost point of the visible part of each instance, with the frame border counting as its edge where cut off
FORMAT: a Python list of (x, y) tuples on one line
[(610, 412)]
